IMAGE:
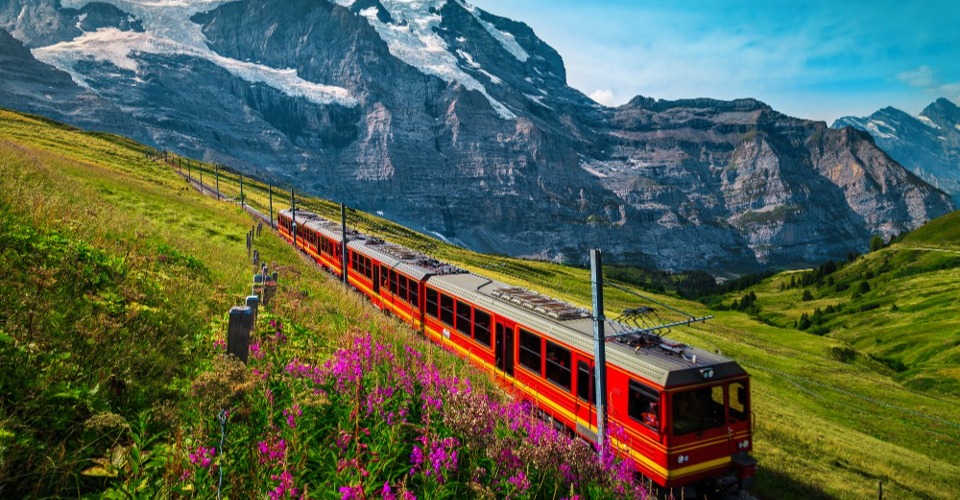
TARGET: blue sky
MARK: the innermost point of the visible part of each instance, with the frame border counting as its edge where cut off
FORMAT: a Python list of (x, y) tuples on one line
[(807, 58)]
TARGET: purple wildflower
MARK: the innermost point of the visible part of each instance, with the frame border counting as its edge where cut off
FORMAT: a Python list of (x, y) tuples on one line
[(203, 456), (519, 481), (285, 488), (387, 493), (292, 414), (351, 493)]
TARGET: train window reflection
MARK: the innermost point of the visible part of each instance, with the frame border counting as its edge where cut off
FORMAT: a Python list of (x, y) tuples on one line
[(698, 410), (737, 395), (644, 405)]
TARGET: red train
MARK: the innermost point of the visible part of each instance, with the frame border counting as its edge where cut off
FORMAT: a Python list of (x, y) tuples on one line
[(685, 413)]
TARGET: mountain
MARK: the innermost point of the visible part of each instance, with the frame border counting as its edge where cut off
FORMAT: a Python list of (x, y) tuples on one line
[(927, 144), (451, 120)]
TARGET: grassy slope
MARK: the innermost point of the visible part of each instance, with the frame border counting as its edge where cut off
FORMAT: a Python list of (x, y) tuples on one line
[(101, 192), (908, 321), (824, 428)]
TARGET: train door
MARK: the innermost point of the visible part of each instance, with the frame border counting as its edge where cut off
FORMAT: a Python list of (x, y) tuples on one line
[(376, 279), (586, 398), (505, 347)]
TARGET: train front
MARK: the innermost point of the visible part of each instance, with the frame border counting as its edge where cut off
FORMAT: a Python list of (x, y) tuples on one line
[(707, 424)]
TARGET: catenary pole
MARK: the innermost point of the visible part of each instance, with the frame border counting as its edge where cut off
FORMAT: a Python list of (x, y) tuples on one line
[(343, 243), (599, 346)]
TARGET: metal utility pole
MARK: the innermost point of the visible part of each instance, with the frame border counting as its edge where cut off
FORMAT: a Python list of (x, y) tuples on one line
[(200, 168), (216, 173), (599, 346), (271, 204), (241, 190), (343, 243), (293, 216)]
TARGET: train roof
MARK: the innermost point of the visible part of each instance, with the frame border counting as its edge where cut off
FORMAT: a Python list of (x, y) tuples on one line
[(409, 262), (652, 357), (658, 359)]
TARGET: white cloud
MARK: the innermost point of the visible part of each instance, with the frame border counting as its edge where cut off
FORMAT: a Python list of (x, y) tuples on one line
[(924, 78), (603, 96), (921, 77), (951, 91)]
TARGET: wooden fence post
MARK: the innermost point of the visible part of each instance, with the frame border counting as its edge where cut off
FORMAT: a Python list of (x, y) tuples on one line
[(238, 332), (253, 302)]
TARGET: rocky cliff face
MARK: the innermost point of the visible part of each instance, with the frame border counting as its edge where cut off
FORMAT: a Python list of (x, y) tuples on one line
[(928, 144), (460, 123)]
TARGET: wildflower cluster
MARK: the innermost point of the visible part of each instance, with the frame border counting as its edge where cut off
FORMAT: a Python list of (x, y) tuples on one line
[(391, 402), (376, 420)]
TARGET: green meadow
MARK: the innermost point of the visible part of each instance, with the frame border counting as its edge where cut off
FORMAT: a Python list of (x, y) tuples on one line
[(864, 394)]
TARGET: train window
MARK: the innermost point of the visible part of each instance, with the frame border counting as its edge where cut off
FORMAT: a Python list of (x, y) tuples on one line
[(481, 329), (558, 365), (585, 390), (415, 294), (446, 310), (737, 395), (404, 286), (394, 286), (464, 322), (698, 410), (644, 405), (530, 351), (432, 302)]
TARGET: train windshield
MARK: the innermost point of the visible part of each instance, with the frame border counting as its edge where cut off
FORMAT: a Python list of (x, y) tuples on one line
[(698, 410)]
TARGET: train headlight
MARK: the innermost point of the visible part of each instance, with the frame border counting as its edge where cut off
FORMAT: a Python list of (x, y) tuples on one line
[(743, 444), (682, 459), (706, 373)]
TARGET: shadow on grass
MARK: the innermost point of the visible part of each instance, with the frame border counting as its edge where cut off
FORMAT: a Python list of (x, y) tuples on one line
[(777, 485)]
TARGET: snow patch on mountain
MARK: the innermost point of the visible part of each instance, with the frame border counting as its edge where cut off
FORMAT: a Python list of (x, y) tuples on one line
[(928, 122), (468, 58), (169, 31), (508, 41), (881, 129), (956, 126), (413, 39)]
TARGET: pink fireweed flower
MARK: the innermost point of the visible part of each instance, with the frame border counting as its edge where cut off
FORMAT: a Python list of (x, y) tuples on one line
[(520, 482), (292, 414), (203, 457), (343, 440), (416, 459), (441, 457), (272, 450), (255, 351), (220, 344), (269, 395), (285, 488), (351, 493), (386, 493)]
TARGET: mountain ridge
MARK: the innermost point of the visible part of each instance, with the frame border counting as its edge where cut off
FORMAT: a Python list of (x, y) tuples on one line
[(927, 144), (460, 123)]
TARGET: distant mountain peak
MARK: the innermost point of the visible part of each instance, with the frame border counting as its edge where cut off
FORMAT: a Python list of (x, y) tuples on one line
[(927, 144), (943, 112)]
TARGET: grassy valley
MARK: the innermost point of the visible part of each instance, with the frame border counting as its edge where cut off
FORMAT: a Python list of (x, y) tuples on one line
[(121, 276)]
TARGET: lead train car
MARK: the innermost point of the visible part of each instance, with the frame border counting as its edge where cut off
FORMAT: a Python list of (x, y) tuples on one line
[(681, 414)]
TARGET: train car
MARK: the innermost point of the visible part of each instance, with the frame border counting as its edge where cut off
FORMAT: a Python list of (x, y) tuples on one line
[(681, 414)]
